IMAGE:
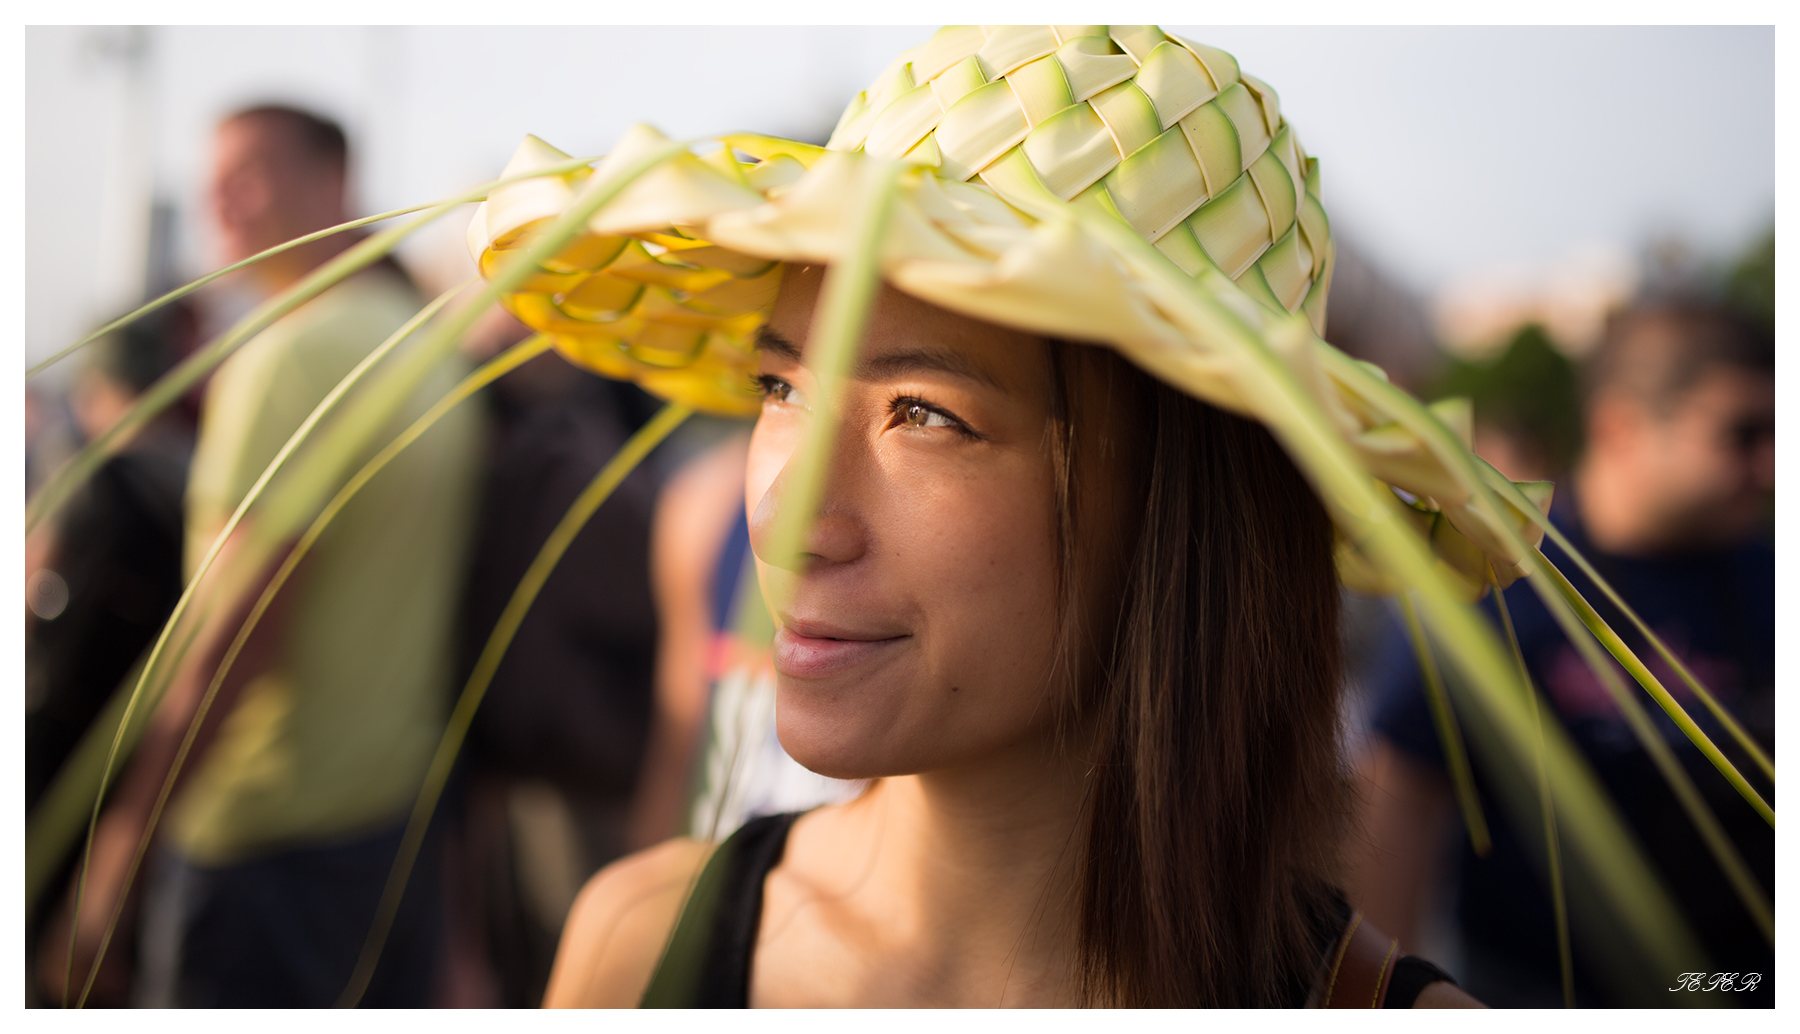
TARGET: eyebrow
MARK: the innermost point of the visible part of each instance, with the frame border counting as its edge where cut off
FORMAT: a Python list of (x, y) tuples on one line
[(893, 364), (767, 340)]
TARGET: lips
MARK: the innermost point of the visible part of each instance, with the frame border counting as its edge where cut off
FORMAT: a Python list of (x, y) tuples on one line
[(811, 650)]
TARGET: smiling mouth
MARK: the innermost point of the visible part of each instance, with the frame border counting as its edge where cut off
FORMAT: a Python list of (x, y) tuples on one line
[(816, 655)]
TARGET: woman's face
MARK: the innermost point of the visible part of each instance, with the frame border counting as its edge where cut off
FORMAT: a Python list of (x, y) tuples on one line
[(916, 630)]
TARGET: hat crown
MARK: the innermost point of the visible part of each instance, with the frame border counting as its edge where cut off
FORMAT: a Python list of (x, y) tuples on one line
[(1190, 150)]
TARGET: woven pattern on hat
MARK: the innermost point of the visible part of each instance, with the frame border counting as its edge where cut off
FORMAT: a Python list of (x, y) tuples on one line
[(1007, 130), (1168, 133), (1190, 150)]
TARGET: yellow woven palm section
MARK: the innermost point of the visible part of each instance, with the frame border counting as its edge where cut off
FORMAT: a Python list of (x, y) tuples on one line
[(637, 298)]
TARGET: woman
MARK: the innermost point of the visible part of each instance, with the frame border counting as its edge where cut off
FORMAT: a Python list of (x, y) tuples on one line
[(1072, 606), (1082, 629)]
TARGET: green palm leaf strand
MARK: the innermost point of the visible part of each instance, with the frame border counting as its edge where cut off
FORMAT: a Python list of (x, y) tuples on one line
[(561, 537), (849, 292), (1487, 483), (176, 383), (1631, 892), (189, 288), (500, 365), (1556, 600), (1456, 758), (474, 194), (1616, 646), (438, 343), (154, 679), (678, 961), (1550, 584), (1559, 904), (1550, 587), (1642, 674), (1651, 684)]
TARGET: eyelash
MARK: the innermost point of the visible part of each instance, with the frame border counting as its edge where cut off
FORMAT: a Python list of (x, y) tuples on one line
[(766, 386), (771, 387), (900, 403)]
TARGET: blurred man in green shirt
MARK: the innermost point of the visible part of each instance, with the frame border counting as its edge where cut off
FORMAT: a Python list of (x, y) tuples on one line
[(279, 838)]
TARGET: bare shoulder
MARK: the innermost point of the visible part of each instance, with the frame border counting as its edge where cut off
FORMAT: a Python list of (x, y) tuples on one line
[(618, 926), (1442, 994)]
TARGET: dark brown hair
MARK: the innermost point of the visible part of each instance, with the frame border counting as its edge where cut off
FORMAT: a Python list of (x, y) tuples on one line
[(316, 137), (1657, 351), (1218, 791)]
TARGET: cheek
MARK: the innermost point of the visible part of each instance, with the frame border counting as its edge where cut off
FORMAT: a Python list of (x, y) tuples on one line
[(976, 556), (978, 550), (963, 556)]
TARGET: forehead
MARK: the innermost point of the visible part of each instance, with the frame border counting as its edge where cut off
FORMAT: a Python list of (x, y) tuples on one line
[(902, 325), (251, 138)]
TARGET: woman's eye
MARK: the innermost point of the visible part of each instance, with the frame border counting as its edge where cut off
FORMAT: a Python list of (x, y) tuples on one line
[(774, 389), (917, 414)]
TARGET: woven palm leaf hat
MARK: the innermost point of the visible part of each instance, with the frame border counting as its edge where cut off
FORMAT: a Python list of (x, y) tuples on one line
[(1112, 184)]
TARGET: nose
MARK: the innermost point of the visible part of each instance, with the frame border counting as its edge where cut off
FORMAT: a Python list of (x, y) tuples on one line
[(835, 534)]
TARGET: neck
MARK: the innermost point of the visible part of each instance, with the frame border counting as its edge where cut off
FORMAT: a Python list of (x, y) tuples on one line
[(280, 272), (975, 869)]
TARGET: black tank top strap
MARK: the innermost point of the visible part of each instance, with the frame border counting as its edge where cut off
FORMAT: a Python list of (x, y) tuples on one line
[(1355, 954), (707, 962)]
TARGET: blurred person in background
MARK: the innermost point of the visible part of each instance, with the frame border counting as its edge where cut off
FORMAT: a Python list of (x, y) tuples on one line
[(103, 575), (107, 570), (554, 752), (1671, 500), (289, 812), (698, 553)]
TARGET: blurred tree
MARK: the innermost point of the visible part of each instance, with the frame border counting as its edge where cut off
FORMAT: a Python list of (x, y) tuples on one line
[(1528, 397), (1750, 285)]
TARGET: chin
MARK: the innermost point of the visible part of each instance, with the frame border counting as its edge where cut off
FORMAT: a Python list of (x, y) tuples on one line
[(847, 735)]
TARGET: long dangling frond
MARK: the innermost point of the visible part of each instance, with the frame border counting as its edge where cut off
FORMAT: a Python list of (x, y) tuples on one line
[(156, 671), (504, 363), (473, 195), (450, 744), (1559, 904)]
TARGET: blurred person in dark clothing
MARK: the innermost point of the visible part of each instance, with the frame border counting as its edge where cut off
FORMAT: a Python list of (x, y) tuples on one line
[(552, 764), (103, 575), (1671, 502), (110, 568), (289, 812)]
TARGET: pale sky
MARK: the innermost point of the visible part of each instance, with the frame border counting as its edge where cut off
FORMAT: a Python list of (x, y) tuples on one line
[(1446, 152)]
